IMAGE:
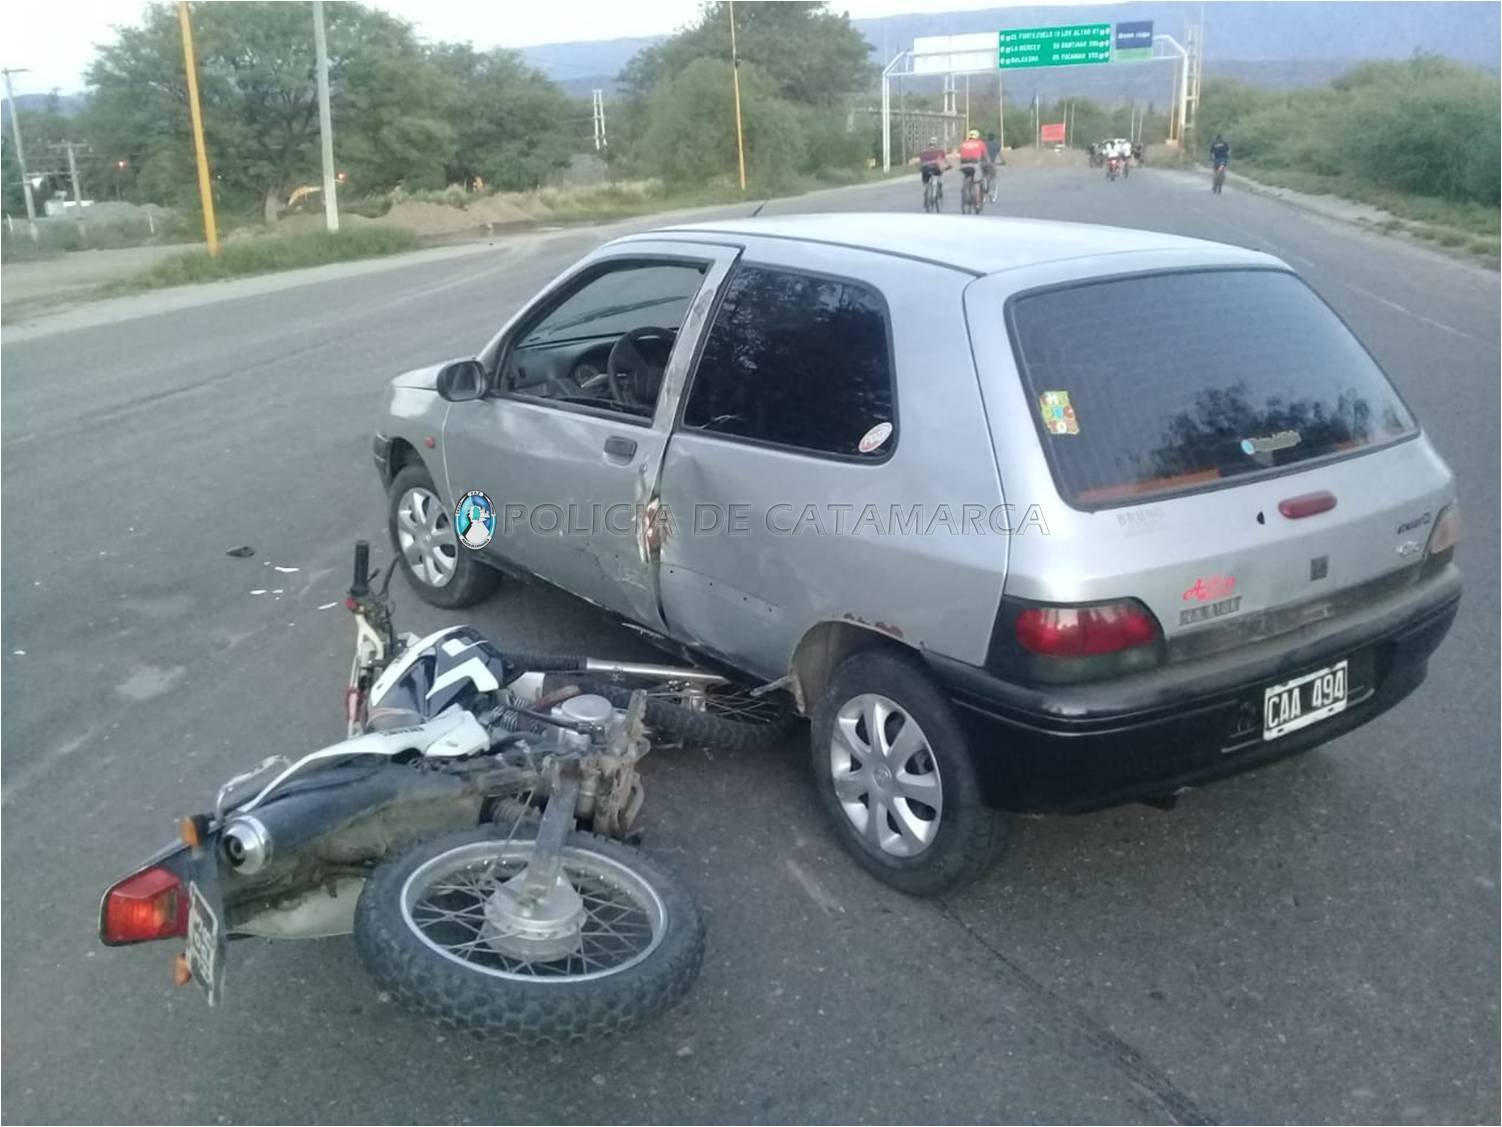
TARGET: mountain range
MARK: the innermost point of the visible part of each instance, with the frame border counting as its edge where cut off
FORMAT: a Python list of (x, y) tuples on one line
[(1269, 44)]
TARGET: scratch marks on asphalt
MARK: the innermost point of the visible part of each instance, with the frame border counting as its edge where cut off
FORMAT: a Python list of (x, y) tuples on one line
[(816, 891), (148, 681), (1081, 1031), (24, 778)]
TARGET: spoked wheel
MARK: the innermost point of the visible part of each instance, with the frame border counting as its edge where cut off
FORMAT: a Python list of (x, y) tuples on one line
[(718, 717), (613, 944)]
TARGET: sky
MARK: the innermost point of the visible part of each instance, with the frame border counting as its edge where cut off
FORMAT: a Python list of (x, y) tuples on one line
[(57, 51)]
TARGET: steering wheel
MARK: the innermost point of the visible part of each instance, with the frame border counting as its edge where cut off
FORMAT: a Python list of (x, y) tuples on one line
[(629, 372)]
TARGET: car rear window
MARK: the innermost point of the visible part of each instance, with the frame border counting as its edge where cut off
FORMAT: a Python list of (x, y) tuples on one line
[(1169, 383)]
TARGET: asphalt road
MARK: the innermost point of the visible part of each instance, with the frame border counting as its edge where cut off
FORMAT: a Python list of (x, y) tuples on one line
[(1314, 942)]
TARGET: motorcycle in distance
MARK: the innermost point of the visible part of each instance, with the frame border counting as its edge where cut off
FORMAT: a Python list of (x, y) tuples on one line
[(472, 831), (1113, 167)]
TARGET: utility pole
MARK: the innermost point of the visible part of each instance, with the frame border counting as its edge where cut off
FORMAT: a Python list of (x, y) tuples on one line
[(735, 79), (325, 122), (71, 147), (1001, 113), (598, 113), (205, 188), (15, 126), (594, 115)]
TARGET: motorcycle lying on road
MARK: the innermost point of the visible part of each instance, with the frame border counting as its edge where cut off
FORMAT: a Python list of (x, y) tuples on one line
[(474, 830)]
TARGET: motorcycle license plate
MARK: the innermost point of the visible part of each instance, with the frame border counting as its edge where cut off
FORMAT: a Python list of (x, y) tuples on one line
[(205, 943), (1304, 701)]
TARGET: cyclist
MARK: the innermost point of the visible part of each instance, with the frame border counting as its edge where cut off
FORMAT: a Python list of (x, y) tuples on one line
[(993, 154), (933, 161), (1220, 156), (974, 155), (1220, 152)]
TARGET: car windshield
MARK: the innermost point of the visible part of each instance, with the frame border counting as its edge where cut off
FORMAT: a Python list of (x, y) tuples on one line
[(1208, 376)]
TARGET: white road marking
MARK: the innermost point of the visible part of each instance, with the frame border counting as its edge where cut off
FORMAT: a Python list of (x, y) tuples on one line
[(1411, 313)]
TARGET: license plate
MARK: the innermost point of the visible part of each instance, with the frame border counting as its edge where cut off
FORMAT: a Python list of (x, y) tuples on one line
[(204, 943), (1304, 700)]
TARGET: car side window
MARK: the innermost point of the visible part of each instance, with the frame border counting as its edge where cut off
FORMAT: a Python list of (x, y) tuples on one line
[(630, 311), (797, 360)]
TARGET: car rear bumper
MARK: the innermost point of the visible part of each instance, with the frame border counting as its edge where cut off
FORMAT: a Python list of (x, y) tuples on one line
[(1068, 749)]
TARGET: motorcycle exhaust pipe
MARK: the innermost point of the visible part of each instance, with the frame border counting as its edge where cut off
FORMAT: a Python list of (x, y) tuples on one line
[(350, 814)]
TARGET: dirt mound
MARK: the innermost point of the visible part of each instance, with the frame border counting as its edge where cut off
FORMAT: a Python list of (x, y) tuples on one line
[(503, 210), (430, 218)]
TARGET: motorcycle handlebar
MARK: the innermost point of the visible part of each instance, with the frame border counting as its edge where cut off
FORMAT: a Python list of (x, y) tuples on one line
[(360, 585)]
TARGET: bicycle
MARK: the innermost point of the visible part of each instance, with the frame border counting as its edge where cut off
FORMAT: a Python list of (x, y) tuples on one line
[(933, 195), (972, 195)]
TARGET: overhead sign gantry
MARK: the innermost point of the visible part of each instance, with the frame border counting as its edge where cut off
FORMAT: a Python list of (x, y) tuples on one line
[(1063, 45)]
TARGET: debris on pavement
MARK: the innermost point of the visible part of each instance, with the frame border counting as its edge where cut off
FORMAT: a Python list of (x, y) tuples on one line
[(242, 551)]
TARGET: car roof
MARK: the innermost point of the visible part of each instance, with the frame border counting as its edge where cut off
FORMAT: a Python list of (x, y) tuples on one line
[(978, 246)]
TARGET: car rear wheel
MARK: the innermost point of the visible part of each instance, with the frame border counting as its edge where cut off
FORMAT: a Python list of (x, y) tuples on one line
[(895, 776), (441, 570)]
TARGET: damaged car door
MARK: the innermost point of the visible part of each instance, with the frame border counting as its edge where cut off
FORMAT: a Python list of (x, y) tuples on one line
[(582, 391)]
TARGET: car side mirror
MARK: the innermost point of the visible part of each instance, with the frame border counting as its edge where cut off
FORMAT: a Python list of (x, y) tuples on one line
[(461, 381)]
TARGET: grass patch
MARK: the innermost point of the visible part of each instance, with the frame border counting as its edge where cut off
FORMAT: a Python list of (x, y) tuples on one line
[(627, 198), (60, 236), (267, 254), (1460, 215)]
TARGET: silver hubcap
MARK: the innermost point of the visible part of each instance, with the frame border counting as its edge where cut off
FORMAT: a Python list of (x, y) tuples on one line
[(885, 776), (425, 534), (600, 919)]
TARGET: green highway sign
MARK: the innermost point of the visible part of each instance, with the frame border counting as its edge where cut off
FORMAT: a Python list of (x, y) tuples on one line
[(1066, 46)]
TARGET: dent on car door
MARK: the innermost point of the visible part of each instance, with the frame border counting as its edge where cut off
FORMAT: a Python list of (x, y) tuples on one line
[(833, 465), (792, 404), (570, 450)]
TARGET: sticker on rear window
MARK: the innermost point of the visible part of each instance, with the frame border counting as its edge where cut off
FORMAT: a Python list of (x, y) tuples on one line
[(875, 438), (1058, 414), (1280, 441)]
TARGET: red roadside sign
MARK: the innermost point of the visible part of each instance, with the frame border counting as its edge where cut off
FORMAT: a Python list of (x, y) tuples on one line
[(1052, 134)]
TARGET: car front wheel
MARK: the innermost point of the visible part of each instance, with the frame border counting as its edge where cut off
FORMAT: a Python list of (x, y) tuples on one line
[(895, 776), (440, 569)]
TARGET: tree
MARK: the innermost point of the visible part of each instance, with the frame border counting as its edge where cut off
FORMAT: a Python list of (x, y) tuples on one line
[(811, 54), (510, 119), (257, 84), (690, 133)]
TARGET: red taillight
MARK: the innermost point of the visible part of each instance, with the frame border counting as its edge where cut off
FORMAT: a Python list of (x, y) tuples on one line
[(1307, 505), (1086, 631), (1446, 532), (151, 904)]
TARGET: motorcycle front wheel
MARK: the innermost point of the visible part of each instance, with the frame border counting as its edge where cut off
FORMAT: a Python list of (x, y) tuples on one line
[(626, 949)]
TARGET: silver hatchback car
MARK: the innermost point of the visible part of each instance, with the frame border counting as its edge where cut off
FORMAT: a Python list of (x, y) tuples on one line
[(1023, 516)]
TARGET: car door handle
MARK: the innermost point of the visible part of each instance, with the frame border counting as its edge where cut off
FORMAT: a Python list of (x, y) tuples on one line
[(618, 447)]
